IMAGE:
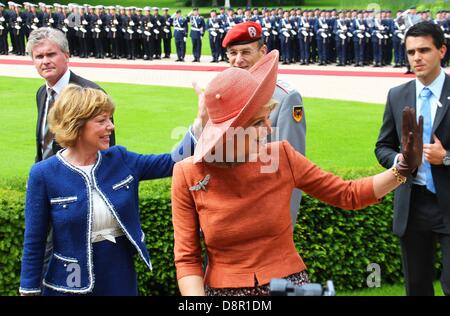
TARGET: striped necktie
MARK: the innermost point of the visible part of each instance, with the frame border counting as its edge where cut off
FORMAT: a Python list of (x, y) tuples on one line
[(47, 146), (425, 111)]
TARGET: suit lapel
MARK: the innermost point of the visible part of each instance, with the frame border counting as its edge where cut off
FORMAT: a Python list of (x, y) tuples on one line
[(445, 102), (410, 96), (42, 98), (72, 77)]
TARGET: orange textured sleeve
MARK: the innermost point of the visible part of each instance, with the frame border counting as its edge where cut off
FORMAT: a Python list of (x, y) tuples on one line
[(187, 249), (327, 187)]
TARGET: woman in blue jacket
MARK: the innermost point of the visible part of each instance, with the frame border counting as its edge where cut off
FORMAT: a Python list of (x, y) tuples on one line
[(88, 195)]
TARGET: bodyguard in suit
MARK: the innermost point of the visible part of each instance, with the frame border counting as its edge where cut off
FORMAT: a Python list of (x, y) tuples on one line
[(180, 26), (49, 50), (196, 34), (421, 205)]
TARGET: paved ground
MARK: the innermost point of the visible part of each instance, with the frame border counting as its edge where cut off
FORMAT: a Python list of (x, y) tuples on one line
[(365, 84)]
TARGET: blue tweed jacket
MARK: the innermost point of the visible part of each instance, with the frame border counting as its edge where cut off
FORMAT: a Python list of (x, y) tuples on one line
[(60, 195)]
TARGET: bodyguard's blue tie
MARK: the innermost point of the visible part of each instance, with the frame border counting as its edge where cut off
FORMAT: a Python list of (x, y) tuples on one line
[(425, 111)]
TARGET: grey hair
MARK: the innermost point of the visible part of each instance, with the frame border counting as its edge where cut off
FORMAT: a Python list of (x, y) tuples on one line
[(47, 33)]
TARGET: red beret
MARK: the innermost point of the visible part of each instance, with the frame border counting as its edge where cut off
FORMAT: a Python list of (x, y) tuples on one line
[(243, 33)]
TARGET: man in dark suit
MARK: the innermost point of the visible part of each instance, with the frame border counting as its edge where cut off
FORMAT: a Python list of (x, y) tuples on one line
[(49, 50), (422, 205)]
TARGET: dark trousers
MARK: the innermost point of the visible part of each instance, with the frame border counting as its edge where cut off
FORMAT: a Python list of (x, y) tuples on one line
[(156, 47), (341, 50), (387, 52), (399, 52), (181, 48), (167, 46), (418, 245), (83, 50), (148, 47), (214, 43), (377, 51), (73, 42), (286, 49), (322, 49), (359, 51), (130, 48), (115, 52), (19, 41), (197, 48), (304, 49), (3, 43), (99, 49)]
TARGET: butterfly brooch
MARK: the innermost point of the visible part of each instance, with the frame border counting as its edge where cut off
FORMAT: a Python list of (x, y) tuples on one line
[(201, 185)]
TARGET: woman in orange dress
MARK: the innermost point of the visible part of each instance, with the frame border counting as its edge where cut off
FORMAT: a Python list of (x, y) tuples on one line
[(236, 189)]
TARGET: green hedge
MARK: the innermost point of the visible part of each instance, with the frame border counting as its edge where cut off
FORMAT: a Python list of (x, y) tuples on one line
[(335, 244)]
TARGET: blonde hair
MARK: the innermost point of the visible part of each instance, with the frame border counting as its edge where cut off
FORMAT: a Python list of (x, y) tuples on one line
[(272, 104), (74, 107)]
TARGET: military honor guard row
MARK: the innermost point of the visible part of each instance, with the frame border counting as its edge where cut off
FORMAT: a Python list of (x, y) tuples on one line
[(347, 37)]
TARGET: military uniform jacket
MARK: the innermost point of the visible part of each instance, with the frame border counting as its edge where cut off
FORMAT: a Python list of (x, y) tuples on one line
[(180, 26), (97, 26), (147, 27), (113, 26), (3, 24), (197, 27), (128, 28), (166, 28), (158, 25), (83, 29)]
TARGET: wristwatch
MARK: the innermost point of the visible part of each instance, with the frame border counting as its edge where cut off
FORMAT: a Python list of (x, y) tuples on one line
[(446, 160)]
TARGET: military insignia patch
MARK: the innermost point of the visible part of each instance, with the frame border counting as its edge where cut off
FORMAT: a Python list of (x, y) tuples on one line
[(297, 113)]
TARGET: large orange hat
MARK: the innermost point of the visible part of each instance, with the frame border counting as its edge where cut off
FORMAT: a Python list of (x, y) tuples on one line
[(233, 97)]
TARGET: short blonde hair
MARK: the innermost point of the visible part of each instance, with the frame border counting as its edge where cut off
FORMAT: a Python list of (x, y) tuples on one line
[(74, 107), (272, 104)]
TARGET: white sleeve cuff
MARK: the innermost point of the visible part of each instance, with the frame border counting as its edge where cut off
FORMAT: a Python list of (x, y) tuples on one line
[(396, 160), (29, 291)]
